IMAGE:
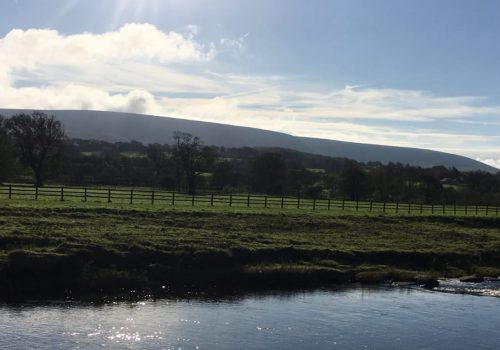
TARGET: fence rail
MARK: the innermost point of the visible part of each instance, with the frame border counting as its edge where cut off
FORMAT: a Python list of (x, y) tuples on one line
[(170, 198)]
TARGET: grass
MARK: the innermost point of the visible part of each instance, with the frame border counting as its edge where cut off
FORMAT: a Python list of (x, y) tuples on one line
[(56, 247), (129, 195)]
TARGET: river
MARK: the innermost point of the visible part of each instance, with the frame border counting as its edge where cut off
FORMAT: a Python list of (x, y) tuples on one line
[(348, 318)]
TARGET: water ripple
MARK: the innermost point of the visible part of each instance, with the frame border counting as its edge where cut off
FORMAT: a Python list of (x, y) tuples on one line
[(362, 318)]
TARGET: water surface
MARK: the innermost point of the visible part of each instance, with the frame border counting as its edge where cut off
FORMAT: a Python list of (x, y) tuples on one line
[(380, 318)]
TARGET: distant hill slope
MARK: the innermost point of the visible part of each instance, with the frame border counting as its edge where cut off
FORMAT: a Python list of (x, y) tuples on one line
[(114, 126)]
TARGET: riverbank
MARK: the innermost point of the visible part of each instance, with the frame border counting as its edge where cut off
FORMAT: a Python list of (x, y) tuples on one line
[(49, 249)]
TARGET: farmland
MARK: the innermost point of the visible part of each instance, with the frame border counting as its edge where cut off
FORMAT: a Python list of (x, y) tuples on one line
[(58, 247), (162, 198)]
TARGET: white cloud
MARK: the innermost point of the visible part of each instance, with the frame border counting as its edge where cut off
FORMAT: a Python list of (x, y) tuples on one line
[(29, 48), (73, 96), (4, 74), (139, 68), (193, 29), (235, 44)]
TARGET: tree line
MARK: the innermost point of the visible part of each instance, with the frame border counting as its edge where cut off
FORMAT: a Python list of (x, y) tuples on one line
[(33, 147)]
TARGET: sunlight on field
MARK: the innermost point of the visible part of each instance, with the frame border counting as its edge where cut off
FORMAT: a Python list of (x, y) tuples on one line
[(122, 196)]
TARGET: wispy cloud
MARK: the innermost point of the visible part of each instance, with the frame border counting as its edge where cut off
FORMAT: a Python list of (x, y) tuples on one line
[(139, 68), (233, 46)]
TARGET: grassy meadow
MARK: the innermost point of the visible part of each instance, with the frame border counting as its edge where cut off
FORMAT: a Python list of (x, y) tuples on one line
[(51, 247), (165, 199)]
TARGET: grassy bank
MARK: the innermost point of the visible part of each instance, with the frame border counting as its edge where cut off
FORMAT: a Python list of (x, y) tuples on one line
[(53, 248)]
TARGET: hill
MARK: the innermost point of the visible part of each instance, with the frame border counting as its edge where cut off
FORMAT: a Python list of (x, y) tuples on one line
[(116, 126)]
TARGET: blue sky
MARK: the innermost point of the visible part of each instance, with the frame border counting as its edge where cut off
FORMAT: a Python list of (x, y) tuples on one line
[(410, 73)]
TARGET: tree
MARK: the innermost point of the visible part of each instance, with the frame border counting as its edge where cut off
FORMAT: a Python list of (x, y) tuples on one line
[(353, 180), (156, 155), (7, 159), (268, 174), (225, 174), (188, 157), (431, 187), (388, 181), (39, 139), (299, 179)]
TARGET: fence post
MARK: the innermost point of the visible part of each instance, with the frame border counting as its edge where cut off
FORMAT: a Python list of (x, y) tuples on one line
[(409, 208), (248, 201), (432, 209), (85, 194), (173, 198), (298, 202), (10, 191), (343, 204), (109, 195), (152, 197), (455, 208), (62, 194), (230, 200), (421, 208), (131, 196), (487, 208), (212, 200), (282, 202), (192, 200), (465, 209), (444, 209), (36, 192), (329, 203), (371, 205), (496, 209), (265, 201), (397, 207), (357, 205), (314, 203), (476, 210)]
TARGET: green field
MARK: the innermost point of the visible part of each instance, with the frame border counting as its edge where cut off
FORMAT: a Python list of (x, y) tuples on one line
[(52, 247), (168, 199)]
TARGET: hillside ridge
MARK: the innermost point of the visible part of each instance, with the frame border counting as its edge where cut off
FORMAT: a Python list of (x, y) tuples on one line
[(120, 126)]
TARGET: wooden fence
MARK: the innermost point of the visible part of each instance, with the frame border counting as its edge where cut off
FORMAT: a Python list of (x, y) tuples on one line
[(169, 198)]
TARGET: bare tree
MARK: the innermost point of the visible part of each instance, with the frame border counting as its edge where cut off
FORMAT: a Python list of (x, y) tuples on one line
[(156, 154), (188, 157), (39, 139), (7, 159)]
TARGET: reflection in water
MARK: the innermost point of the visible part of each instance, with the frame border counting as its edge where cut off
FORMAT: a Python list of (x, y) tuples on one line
[(380, 318)]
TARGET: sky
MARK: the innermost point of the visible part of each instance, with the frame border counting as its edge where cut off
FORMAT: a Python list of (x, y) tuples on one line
[(420, 73)]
